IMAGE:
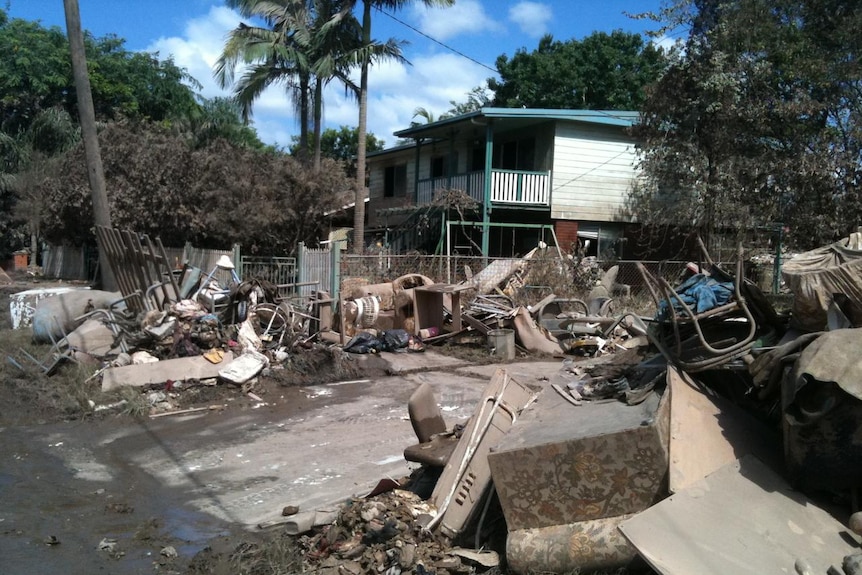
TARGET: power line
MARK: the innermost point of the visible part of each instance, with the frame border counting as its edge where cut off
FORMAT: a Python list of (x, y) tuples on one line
[(450, 48)]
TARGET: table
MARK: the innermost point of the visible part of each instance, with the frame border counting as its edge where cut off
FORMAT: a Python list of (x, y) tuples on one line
[(429, 304)]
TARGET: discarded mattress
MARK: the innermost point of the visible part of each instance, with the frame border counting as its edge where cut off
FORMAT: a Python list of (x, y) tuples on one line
[(815, 276)]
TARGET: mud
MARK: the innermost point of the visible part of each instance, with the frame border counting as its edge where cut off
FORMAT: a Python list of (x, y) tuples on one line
[(75, 509)]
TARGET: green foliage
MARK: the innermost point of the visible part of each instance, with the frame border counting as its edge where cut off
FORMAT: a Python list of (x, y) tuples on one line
[(341, 144), (601, 72), (222, 118), (757, 121), (38, 111), (36, 75)]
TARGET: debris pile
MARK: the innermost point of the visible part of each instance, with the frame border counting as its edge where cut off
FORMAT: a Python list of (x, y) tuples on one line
[(645, 437), (383, 534)]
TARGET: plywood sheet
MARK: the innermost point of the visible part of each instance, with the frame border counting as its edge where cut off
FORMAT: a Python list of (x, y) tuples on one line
[(742, 519), (707, 432)]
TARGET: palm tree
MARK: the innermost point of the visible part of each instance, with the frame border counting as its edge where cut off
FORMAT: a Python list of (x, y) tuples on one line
[(274, 55), (309, 44), (359, 196)]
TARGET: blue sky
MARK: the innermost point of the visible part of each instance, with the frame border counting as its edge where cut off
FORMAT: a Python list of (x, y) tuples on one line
[(193, 31)]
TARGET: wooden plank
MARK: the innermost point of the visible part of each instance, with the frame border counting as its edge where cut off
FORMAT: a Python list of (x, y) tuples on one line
[(743, 519), (708, 432), (475, 324)]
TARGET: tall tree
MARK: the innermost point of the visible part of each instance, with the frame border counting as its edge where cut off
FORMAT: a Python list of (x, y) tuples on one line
[(758, 121), (36, 75), (308, 44), (601, 72), (360, 189), (273, 55)]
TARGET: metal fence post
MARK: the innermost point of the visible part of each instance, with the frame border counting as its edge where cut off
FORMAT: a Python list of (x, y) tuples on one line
[(237, 259), (335, 270), (301, 272)]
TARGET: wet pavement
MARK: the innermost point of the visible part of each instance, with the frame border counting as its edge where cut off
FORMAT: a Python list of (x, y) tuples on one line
[(182, 480)]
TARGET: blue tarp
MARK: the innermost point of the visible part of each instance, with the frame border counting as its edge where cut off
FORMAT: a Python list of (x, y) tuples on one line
[(701, 293)]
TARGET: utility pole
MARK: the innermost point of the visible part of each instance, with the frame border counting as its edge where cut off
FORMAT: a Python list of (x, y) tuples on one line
[(87, 118)]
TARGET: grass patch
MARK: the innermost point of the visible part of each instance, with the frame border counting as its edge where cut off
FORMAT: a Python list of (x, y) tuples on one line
[(30, 394)]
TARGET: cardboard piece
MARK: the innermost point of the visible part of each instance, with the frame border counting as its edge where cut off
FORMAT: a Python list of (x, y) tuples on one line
[(707, 432)]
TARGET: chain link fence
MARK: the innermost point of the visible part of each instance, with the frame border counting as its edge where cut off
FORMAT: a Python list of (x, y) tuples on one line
[(542, 275)]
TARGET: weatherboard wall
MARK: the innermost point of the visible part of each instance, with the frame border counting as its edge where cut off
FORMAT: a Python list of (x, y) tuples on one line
[(594, 168)]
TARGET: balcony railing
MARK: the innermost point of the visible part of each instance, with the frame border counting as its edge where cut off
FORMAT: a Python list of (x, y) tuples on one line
[(507, 187)]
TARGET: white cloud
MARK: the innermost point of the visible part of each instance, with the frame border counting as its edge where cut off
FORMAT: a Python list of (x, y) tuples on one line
[(465, 16), (669, 43), (395, 89), (199, 47), (532, 18)]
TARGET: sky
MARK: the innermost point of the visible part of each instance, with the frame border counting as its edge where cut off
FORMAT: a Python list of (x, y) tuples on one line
[(450, 51)]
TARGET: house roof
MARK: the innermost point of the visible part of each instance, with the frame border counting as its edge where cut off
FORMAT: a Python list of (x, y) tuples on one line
[(520, 116)]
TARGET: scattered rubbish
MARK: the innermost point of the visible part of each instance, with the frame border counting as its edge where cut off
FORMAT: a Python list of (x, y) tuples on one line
[(187, 411), (243, 368), (652, 430)]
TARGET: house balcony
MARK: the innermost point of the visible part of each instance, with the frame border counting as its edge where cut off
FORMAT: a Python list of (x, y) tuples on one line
[(513, 187)]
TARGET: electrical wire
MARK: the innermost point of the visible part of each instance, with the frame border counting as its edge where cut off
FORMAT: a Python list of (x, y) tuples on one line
[(436, 41)]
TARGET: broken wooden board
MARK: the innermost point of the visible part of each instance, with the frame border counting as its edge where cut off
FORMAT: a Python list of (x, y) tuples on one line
[(707, 432), (743, 519), (179, 369)]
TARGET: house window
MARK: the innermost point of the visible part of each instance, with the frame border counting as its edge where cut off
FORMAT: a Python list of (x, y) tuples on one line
[(395, 181), (440, 165), (516, 155), (477, 161)]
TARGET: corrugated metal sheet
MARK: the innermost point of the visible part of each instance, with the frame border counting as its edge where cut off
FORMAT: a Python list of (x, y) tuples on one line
[(316, 267)]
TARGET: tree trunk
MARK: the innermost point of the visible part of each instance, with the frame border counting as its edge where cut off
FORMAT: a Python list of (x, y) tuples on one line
[(359, 196), (318, 118), (87, 117), (34, 245), (304, 113)]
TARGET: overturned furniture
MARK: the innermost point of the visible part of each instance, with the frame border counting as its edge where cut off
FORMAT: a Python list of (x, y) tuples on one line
[(706, 321), (567, 477)]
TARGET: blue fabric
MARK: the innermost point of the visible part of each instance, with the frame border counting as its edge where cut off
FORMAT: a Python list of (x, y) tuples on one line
[(701, 293)]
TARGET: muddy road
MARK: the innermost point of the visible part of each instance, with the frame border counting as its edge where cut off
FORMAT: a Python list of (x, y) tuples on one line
[(119, 495)]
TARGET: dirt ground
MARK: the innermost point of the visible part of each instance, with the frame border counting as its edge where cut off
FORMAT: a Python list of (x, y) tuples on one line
[(154, 520)]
